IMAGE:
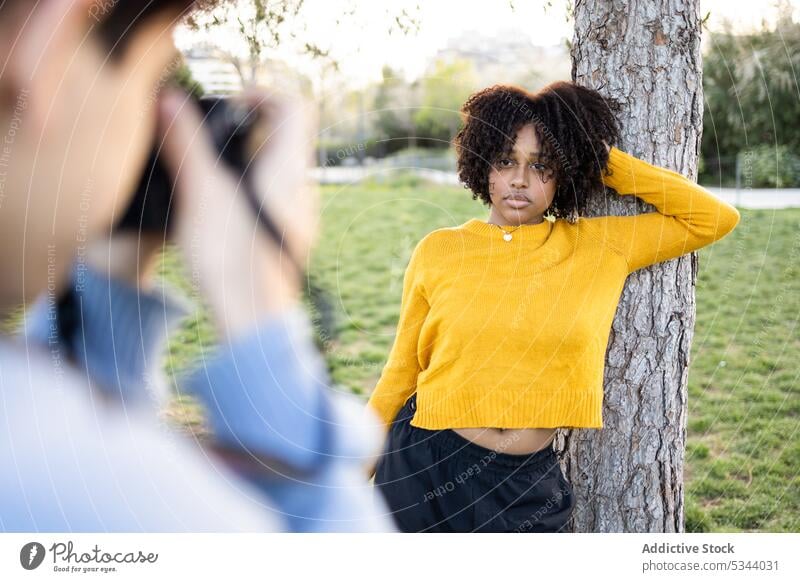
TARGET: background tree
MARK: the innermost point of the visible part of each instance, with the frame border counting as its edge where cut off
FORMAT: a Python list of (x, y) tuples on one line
[(628, 477), (444, 90), (751, 87), (184, 79), (251, 28), (394, 106), (247, 32)]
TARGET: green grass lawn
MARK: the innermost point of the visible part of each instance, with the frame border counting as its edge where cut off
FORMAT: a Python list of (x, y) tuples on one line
[(743, 443), (743, 454)]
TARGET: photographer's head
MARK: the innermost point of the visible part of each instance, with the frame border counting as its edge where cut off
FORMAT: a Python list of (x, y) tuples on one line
[(77, 120)]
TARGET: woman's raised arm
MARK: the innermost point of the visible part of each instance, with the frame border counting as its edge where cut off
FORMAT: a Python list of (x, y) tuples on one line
[(689, 217)]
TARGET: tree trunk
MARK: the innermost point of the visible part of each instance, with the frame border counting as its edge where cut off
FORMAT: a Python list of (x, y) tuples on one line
[(628, 477)]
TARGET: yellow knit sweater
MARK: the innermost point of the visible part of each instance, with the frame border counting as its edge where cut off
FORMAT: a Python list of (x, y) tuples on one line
[(514, 334)]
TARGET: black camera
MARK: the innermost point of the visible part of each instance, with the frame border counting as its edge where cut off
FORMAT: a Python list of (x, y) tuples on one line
[(230, 124)]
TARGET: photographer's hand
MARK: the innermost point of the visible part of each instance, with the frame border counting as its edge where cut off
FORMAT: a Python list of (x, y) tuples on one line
[(265, 392), (126, 256), (241, 272)]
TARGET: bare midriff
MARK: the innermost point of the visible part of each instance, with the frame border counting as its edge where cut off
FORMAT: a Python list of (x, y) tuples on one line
[(513, 441)]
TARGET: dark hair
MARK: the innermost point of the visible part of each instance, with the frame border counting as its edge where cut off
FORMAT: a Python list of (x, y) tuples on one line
[(123, 17), (571, 123), (116, 20)]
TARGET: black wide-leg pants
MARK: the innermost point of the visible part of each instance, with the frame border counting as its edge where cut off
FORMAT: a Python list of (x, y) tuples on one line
[(438, 481)]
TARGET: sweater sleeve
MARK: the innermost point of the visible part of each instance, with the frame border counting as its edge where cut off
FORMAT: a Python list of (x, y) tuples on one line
[(118, 336), (398, 379), (688, 216)]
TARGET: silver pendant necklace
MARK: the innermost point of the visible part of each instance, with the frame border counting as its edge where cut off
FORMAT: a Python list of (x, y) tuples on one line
[(507, 234)]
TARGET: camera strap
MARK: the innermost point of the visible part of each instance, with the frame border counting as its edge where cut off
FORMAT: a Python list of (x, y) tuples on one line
[(268, 224)]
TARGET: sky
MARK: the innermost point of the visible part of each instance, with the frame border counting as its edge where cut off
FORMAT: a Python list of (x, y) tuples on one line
[(362, 45)]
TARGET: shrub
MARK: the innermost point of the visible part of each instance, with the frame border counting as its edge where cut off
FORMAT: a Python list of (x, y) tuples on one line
[(769, 166)]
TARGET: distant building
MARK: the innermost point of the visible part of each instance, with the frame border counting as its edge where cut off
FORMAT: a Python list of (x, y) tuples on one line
[(509, 57), (217, 76)]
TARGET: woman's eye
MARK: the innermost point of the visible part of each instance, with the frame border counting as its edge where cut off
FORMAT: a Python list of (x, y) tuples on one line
[(505, 163), (539, 166)]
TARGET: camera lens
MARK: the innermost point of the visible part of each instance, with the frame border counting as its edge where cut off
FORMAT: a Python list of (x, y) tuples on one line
[(229, 123)]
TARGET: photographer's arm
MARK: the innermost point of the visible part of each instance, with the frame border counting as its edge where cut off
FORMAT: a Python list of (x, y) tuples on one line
[(274, 420), (272, 416), (121, 322)]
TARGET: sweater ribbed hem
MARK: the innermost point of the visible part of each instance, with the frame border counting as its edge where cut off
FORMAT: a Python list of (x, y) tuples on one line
[(531, 408)]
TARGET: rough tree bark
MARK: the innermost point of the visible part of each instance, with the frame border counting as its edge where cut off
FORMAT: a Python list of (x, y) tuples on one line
[(628, 477)]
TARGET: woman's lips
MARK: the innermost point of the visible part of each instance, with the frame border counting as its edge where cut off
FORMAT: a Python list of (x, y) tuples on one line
[(517, 203)]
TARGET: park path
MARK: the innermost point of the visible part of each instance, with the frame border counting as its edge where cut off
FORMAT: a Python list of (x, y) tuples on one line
[(741, 198)]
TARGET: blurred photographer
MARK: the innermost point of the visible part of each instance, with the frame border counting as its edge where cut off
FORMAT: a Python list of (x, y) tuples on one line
[(82, 449)]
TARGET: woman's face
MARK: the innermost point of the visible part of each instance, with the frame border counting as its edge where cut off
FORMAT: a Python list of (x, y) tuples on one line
[(521, 182)]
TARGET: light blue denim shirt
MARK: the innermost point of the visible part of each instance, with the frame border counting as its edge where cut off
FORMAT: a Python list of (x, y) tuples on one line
[(81, 447)]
